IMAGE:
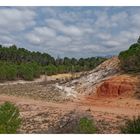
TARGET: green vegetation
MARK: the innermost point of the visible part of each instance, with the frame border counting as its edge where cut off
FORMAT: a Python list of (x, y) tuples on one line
[(132, 126), (29, 71), (20, 63), (9, 118), (130, 59), (21, 55), (11, 71), (7, 71), (86, 126)]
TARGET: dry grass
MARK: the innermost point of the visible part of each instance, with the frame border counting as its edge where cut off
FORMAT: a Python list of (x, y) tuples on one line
[(65, 75)]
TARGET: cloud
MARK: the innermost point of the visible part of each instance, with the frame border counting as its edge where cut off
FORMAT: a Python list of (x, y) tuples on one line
[(70, 31), (65, 29), (33, 39), (103, 36), (63, 39), (40, 35), (12, 19), (112, 43)]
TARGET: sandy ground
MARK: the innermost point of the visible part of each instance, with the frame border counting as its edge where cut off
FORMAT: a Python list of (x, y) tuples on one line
[(109, 114), (41, 79)]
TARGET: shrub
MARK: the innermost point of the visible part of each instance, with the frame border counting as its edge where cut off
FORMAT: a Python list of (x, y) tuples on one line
[(50, 69), (8, 71), (11, 72), (2, 73), (26, 72), (130, 58), (86, 126), (36, 69), (132, 126), (9, 118)]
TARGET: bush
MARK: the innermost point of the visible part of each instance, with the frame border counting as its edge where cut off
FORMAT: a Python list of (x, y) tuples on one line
[(50, 69), (26, 72), (86, 126), (132, 126), (9, 118), (130, 58), (2, 73), (36, 69), (8, 71), (11, 72)]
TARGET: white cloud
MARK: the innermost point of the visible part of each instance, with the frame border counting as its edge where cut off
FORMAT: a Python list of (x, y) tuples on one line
[(12, 19), (104, 36), (40, 35), (44, 31), (63, 39), (33, 39), (71, 31), (65, 29), (112, 43)]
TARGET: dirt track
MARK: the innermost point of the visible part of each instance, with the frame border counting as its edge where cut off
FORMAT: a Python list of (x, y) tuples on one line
[(42, 78), (109, 115)]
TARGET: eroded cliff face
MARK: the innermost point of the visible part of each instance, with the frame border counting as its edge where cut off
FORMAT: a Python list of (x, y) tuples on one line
[(106, 80), (87, 83), (122, 85)]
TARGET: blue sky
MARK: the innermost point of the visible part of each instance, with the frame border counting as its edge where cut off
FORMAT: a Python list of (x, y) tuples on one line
[(70, 31)]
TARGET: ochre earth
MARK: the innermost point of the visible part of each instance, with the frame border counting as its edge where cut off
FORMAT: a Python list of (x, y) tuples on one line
[(123, 85)]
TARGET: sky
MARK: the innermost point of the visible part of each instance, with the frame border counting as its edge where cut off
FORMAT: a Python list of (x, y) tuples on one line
[(70, 31)]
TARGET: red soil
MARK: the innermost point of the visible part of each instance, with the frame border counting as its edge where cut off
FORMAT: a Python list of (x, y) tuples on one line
[(122, 85)]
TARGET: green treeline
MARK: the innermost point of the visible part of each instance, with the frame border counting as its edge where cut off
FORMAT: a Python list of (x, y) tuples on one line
[(23, 64), (73, 65), (21, 55), (11, 71), (130, 59)]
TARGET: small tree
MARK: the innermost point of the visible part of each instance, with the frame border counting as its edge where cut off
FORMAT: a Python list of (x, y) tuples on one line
[(86, 126), (9, 118)]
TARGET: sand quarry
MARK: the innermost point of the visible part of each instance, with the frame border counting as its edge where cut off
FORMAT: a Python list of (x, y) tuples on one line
[(54, 103)]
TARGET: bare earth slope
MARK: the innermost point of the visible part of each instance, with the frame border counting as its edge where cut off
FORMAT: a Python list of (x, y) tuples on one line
[(87, 83)]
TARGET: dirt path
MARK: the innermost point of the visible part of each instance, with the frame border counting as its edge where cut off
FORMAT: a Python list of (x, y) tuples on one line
[(39, 115), (41, 79), (118, 106), (97, 105)]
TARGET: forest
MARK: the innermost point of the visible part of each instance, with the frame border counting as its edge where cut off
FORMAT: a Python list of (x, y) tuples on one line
[(20, 63)]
